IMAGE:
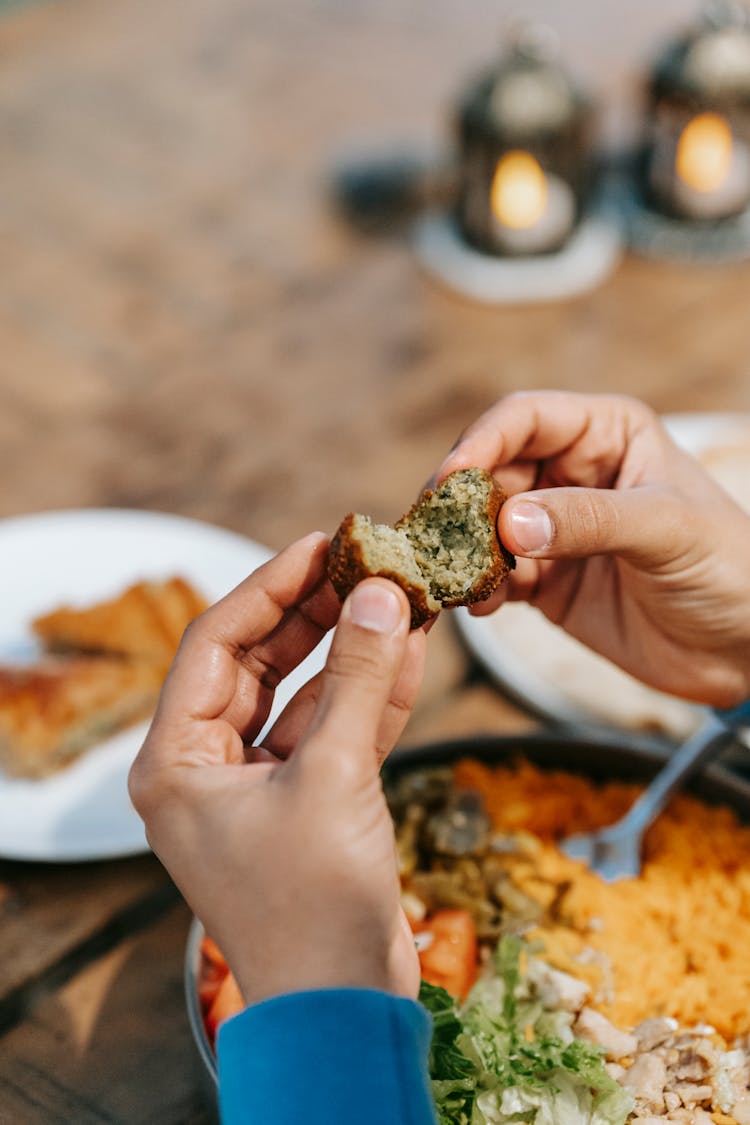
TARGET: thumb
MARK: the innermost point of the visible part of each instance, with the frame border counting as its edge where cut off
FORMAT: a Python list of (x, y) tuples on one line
[(646, 526), (363, 664)]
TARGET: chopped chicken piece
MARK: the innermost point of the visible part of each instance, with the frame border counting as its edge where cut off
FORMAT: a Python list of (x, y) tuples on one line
[(596, 1028), (692, 1064), (557, 989), (614, 1070), (647, 1078), (605, 991), (651, 1033), (692, 1094), (672, 1100), (691, 1117), (740, 1095), (738, 1062)]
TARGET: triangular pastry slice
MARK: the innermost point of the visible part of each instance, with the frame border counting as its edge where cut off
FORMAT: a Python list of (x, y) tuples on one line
[(145, 622), (53, 710)]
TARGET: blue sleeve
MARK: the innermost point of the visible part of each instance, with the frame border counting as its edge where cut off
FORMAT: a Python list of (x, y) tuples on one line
[(320, 1058)]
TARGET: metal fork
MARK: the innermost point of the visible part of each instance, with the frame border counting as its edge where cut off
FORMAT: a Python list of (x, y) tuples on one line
[(615, 852)]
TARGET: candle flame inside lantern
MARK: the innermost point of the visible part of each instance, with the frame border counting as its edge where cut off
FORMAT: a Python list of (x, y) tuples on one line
[(518, 195), (704, 152)]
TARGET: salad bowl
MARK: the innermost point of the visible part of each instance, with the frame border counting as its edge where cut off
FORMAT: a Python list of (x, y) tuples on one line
[(600, 758)]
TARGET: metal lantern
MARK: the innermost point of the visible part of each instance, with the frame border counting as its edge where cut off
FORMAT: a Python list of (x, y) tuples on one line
[(524, 148), (697, 158)]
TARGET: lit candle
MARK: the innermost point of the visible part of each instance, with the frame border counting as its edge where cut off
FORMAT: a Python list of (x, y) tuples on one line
[(532, 211), (711, 170)]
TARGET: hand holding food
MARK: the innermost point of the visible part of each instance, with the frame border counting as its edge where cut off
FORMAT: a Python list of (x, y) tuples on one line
[(625, 540), (286, 851)]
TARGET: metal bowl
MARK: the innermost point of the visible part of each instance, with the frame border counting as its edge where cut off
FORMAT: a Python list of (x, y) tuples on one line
[(601, 757), (195, 1016)]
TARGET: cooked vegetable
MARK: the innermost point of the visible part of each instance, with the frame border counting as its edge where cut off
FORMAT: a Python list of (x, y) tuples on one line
[(448, 951), (213, 969), (227, 1002), (217, 989)]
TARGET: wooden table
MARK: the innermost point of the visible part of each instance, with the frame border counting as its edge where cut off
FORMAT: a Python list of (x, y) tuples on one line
[(187, 325)]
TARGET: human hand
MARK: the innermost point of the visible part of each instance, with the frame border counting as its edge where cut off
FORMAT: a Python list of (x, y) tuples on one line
[(623, 539), (286, 853)]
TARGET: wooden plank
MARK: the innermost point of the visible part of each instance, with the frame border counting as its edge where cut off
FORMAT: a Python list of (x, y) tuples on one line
[(48, 912), (111, 1046)]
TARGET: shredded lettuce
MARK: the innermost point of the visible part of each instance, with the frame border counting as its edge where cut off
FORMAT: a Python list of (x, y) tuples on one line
[(454, 1076), (503, 1058)]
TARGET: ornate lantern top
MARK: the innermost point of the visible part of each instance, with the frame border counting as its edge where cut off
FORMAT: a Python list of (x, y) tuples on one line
[(711, 63), (526, 94)]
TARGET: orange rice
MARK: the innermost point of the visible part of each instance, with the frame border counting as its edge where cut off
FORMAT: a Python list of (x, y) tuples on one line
[(676, 939)]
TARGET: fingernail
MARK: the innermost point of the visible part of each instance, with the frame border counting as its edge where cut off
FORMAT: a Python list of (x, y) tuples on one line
[(376, 608), (531, 526)]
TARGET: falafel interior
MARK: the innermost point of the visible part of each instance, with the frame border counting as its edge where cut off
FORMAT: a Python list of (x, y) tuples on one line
[(443, 552), (452, 538)]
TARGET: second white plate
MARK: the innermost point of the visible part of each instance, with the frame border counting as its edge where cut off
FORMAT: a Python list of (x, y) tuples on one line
[(83, 812)]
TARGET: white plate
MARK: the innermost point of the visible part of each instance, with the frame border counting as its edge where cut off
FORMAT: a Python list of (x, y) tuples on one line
[(560, 679), (83, 812)]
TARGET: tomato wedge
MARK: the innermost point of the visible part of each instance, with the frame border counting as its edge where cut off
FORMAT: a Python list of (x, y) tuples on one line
[(227, 1002), (212, 954), (449, 956), (213, 970)]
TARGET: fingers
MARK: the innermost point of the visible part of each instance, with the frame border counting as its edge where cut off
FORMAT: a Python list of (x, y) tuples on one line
[(646, 526), (234, 654), (297, 716), (363, 667), (255, 607), (541, 425), (260, 668), (404, 960)]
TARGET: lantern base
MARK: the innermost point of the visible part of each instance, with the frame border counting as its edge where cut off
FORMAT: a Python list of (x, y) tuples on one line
[(656, 235), (588, 257)]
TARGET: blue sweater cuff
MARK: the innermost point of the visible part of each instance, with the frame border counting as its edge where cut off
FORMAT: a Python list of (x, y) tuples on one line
[(338, 1055)]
